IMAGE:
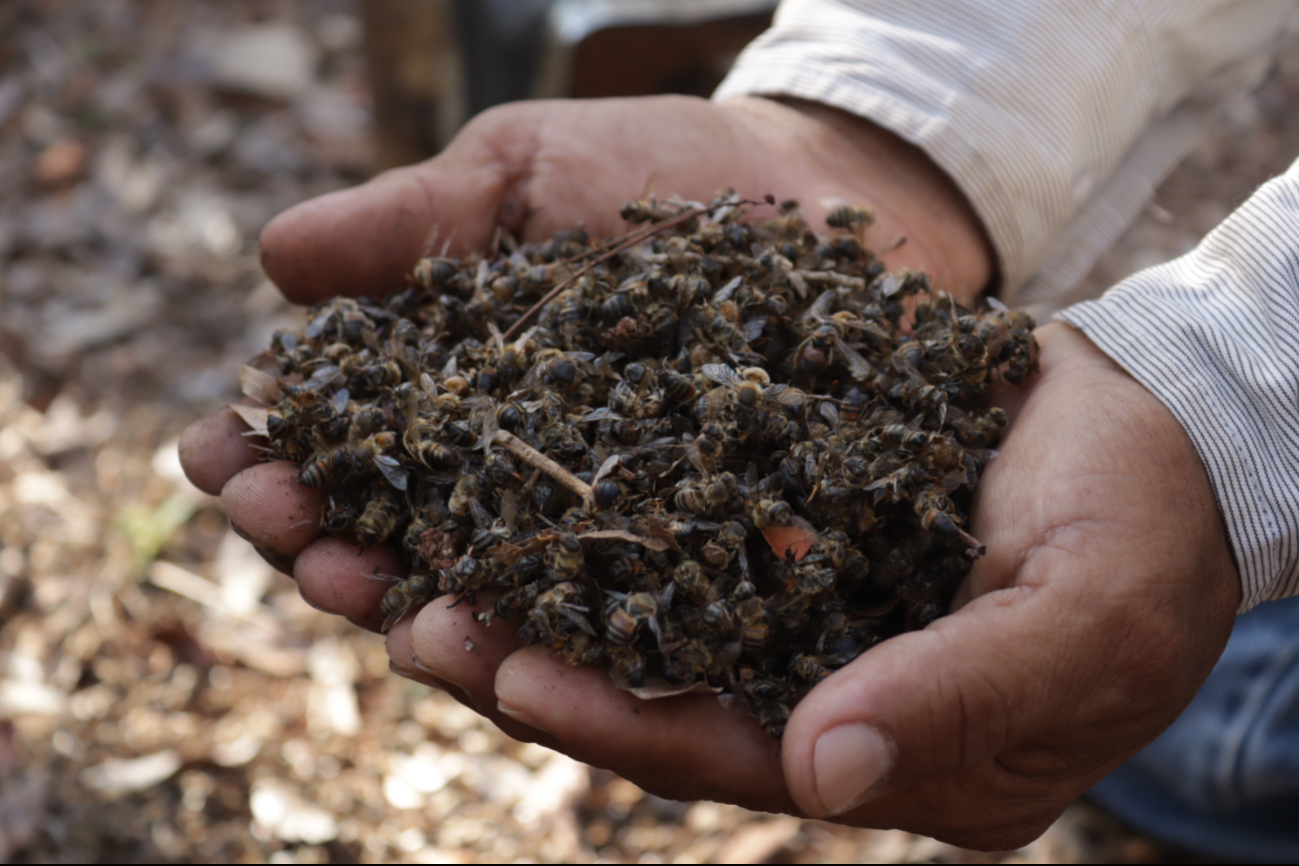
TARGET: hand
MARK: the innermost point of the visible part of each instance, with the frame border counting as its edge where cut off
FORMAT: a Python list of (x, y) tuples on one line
[(541, 166), (1107, 593)]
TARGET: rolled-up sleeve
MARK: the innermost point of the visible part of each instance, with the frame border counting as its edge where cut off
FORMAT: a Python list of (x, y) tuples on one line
[(1056, 119), (1215, 335)]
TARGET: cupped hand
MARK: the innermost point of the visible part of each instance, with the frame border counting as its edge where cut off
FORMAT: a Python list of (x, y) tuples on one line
[(1107, 593)]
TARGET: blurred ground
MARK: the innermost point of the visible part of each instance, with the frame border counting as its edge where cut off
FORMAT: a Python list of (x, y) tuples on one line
[(163, 694)]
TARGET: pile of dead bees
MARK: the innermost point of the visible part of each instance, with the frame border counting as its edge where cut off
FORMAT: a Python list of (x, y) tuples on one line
[(713, 453)]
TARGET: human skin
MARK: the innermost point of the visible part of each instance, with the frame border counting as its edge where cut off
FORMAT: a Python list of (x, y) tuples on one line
[(1107, 593)]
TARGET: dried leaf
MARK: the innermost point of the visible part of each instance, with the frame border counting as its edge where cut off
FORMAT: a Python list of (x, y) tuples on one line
[(258, 385), (656, 687), (789, 539), (254, 416), (507, 554), (623, 535), (660, 532)]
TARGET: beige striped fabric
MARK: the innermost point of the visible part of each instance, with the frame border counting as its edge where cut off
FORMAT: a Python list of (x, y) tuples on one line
[(1215, 335), (1058, 120)]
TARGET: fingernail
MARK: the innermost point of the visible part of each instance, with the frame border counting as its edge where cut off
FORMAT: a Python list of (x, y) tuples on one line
[(521, 716), (849, 761)]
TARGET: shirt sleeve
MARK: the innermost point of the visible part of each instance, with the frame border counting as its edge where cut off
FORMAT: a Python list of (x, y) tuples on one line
[(1215, 335), (1056, 119)]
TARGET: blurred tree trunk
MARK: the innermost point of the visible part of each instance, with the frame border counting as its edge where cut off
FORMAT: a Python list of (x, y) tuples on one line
[(416, 83)]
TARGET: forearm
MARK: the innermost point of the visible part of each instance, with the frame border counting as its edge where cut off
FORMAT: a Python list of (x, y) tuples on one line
[(1212, 335)]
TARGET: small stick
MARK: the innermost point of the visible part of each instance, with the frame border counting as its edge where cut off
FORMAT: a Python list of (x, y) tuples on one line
[(630, 242), (541, 462), (627, 243), (832, 277)]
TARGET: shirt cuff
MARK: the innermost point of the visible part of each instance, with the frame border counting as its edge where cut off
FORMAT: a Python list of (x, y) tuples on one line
[(1213, 335)]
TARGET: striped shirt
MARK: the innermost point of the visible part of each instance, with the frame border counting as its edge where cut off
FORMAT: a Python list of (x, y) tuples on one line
[(1058, 120)]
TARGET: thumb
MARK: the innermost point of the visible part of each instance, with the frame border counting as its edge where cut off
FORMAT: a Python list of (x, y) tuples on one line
[(926, 704), (364, 240)]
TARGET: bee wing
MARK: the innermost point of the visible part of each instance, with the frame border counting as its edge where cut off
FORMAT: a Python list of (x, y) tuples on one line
[(721, 374), (890, 285), (820, 308), (404, 355), (339, 400), (665, 597), (696, 459), (390, 468), (725, 292), (254, 416), (451, 367), (482, 517), (830, 413), (328, 375), (606, 467), (870, 328), (490, 428), (570, 613), (604, 413), (753, 328), (996, 304), (317, 325), (857, 365), (509, 509), (387, 578), (428, 385)]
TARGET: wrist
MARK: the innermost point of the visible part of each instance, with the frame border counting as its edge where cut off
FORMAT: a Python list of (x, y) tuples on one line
[(848, 157)]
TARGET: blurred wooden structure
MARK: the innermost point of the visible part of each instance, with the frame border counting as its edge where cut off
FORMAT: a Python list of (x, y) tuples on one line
[(435, 63), (415, 78)]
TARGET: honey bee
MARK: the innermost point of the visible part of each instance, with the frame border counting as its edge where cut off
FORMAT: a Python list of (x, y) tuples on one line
[(627, 612), (434, 272), (628, 667), (422, 443), (771, 512), (678, 388), (647, 210), (809, 669), (848, 216), (329, 468), (339, 517), (416, 590), (564, 557), (559, 610), (466, 491), (382, 516)]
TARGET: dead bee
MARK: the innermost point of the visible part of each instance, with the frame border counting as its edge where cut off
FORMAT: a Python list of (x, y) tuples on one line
[(416, 590), (382, 516), (564, 557), (627, 612), (847, 216), (741, 454), (647, 210)]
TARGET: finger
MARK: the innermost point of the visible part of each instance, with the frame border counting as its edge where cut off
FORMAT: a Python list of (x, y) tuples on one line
[(686, 747), (365, 240), (213, 450), (951, 698), (450, 644), (273, 511), (339, 577), (444, 647)]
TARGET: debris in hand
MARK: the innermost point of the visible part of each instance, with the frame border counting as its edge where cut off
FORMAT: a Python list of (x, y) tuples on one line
[(713, 453)]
